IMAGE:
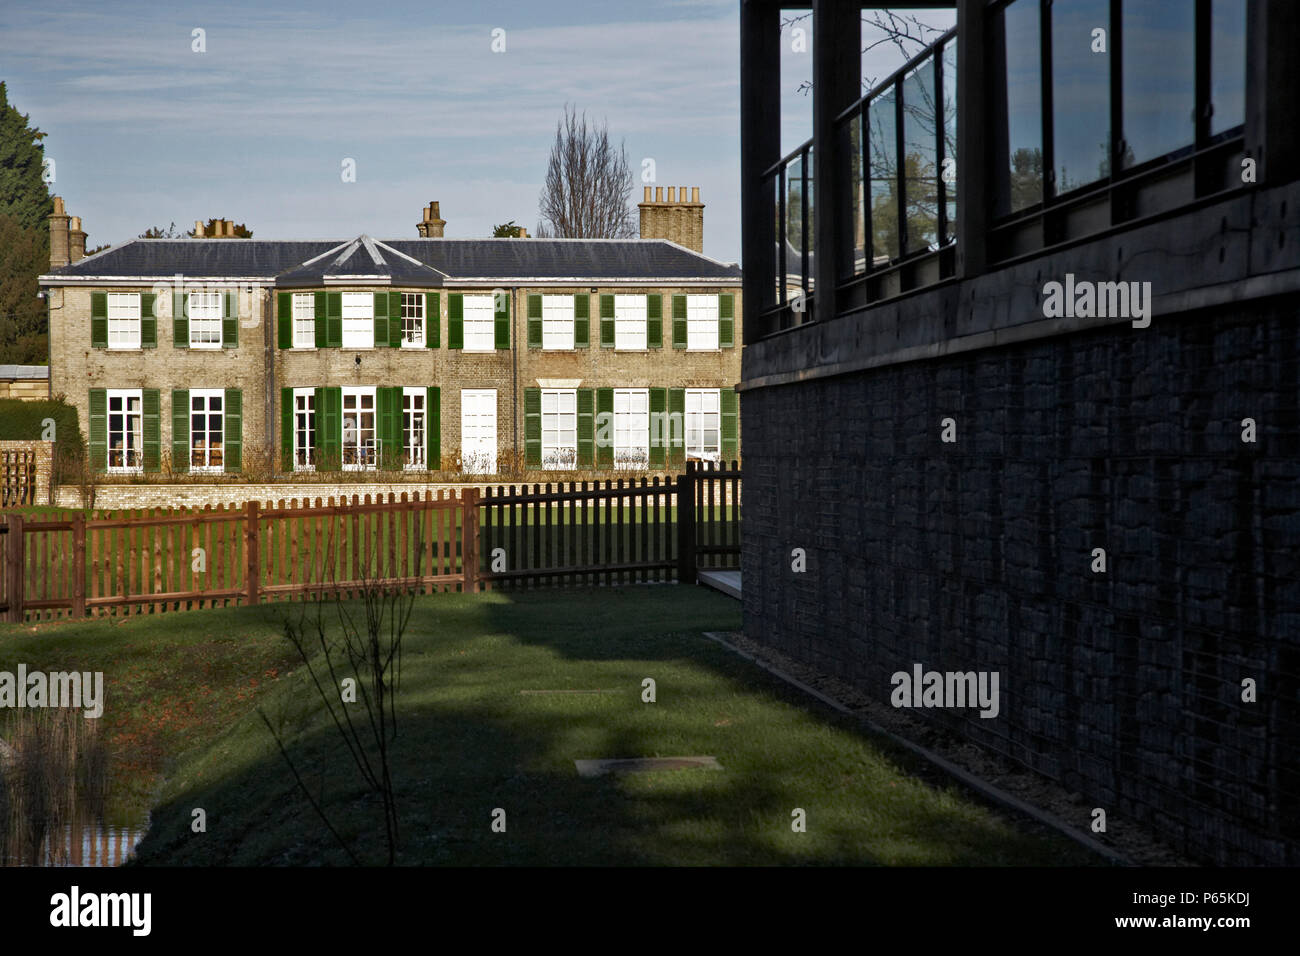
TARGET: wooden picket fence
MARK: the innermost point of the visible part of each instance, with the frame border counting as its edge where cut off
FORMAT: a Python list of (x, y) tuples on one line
[(114, 563), (625, 531), (590, 533)]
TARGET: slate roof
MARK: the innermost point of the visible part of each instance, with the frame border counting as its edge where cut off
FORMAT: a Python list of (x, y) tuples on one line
[(411, 262)]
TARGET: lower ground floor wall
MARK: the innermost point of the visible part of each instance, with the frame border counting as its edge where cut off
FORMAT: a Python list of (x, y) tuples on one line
[(1113, 529)]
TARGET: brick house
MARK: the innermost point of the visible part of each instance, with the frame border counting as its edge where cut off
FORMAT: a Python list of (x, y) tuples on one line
[(193, 355)]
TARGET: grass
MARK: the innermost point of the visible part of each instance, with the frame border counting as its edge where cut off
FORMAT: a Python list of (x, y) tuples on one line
[(470, 742)]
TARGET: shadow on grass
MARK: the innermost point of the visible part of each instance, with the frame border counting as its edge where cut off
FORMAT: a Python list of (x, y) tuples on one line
[(470, 743)]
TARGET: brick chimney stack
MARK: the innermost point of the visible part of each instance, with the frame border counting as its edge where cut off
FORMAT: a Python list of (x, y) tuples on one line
[(432, 226), (76, 241), (675, 219), (59, 239)]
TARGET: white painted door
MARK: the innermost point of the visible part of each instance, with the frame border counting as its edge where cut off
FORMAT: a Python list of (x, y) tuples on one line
[(478, 430)]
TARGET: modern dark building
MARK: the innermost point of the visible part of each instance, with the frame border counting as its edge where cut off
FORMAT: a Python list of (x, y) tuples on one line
[(1021, 375)]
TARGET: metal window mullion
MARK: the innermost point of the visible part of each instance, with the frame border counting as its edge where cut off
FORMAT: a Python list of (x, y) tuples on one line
[(900, 171), (1201, 80), (1045, 98), (1118, 144)]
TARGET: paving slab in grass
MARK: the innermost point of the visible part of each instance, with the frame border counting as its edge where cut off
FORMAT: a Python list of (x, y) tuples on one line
[(597, 768)]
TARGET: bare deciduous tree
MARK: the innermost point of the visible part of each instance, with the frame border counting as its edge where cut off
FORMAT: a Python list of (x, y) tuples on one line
[(588, 184)]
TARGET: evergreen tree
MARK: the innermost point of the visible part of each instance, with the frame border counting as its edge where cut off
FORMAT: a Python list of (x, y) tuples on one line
[(25, 206)]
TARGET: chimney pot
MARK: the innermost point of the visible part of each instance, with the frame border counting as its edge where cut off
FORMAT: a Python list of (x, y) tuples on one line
[(647, 195), (695, 194), (672, 194), (198, 228), (659, 194), (58, 206)]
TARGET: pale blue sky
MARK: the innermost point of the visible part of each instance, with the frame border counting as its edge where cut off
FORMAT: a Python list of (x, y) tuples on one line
[(144, 131)]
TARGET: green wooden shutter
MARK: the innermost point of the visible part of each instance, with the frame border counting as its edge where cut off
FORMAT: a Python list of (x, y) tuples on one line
[(586, 434), (234, 427), (432, 319), (534, 321), (605, 406), (99, 324), (381, 319), (284, 319), (151, 429), (433, 426), (729, 404), (679, 321), (675, 426), (180, 430), (334, 321), (654, 322), (180, 321), (148, 320), (726, 321), (581, 321), (329, 428), (322, 326), (230, 319), (286, 430), (98, 427), (388, 406), (395, 320), (456, 320), (606, 321), (658, 426), (502, 317), (533, 427)]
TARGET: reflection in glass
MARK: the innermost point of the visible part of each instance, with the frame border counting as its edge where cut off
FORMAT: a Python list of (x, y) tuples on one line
[(810, 208), (1159, 72), (949, 168), (1020, 142), (882, 147), (1080, 93), (921, 177), (794, 225), (1227, 64), (850, 146)]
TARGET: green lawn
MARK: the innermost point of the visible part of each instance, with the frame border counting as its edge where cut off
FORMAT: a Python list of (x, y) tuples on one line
[(470, 742)]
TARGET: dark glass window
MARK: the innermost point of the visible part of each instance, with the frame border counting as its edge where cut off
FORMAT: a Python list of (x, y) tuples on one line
[(1227, 64), (1080, 93), (794, 225), (1020, 148), (1159, 72), (920, 162), (850, 146), (882, 146), (810, 223)]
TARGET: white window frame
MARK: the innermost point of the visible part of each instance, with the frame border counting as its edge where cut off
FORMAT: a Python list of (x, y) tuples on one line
[(364, 452), (304, 429), (205, 312), (304, 320), (415, 418), (479, 333), (358, 320), (132, 427), (702, 323), (558, 423), (700, 420), (205, 466), (413, 320), (124, 320), (631, 428), (557, 323), (630, 322)]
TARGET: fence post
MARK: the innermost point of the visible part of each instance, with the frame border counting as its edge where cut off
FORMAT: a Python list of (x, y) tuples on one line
[(469, 539), (686, 525), (14, 569), (252, 566), (79, 564)]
